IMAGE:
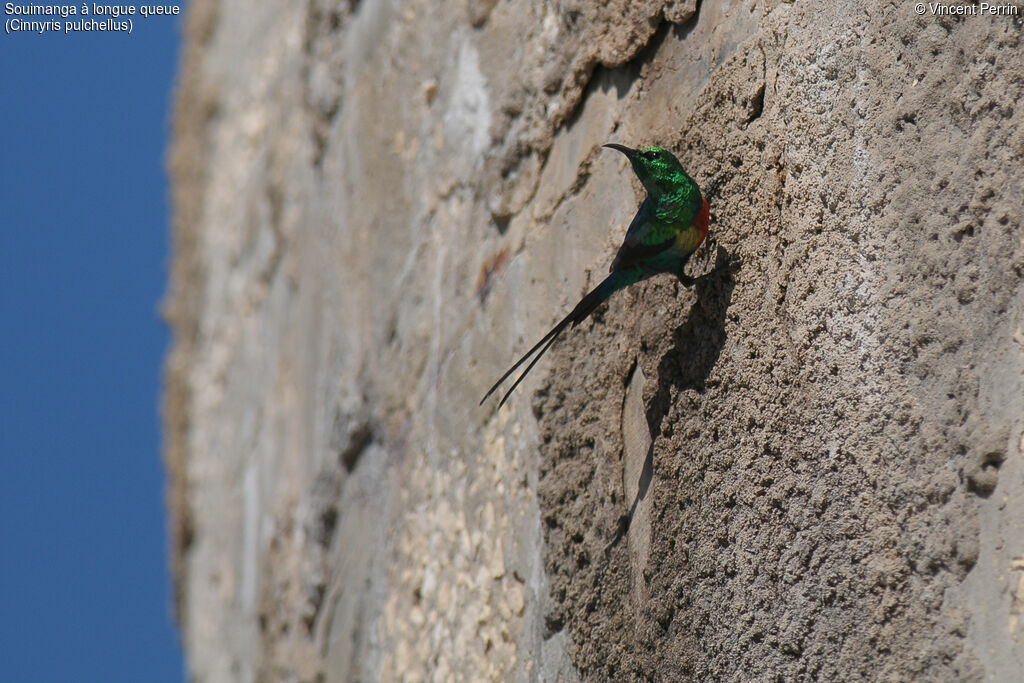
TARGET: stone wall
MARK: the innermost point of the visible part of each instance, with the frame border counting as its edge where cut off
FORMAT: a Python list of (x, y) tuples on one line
[(807, 466)]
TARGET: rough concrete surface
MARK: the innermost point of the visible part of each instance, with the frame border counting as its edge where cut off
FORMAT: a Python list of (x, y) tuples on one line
[(807, 467)]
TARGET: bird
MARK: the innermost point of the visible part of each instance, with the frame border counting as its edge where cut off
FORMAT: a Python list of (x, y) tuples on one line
[(670, 224)]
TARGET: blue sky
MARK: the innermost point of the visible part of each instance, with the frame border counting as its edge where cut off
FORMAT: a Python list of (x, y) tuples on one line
[(84, 584)]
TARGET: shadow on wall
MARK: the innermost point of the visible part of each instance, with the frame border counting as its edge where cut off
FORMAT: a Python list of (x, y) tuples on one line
[(697, 342), (696, 345)]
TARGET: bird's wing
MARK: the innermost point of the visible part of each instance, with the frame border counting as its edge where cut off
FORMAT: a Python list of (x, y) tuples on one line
[(643, 238), (638, 229)]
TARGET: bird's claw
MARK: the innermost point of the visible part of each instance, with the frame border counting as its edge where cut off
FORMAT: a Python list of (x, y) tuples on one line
[(725, 260)]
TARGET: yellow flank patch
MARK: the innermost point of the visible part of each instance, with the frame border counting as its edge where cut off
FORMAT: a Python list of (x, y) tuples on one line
[(687, 240)]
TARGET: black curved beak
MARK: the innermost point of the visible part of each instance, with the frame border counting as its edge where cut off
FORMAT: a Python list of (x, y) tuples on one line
[(621, 148)]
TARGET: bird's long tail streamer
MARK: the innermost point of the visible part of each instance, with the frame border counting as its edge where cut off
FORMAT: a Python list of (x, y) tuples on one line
[(611, 284)]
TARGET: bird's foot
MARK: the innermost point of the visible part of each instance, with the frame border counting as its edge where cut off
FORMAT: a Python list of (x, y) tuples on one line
[(725, 260), (732, 263)]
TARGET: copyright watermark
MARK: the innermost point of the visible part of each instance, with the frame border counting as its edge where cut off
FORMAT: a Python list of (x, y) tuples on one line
[(942, 9)]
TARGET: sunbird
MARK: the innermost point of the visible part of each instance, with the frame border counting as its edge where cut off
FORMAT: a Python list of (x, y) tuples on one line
[(670, 224)]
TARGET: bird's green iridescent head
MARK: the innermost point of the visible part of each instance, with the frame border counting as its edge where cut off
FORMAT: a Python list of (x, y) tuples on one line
[(657, 168)]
